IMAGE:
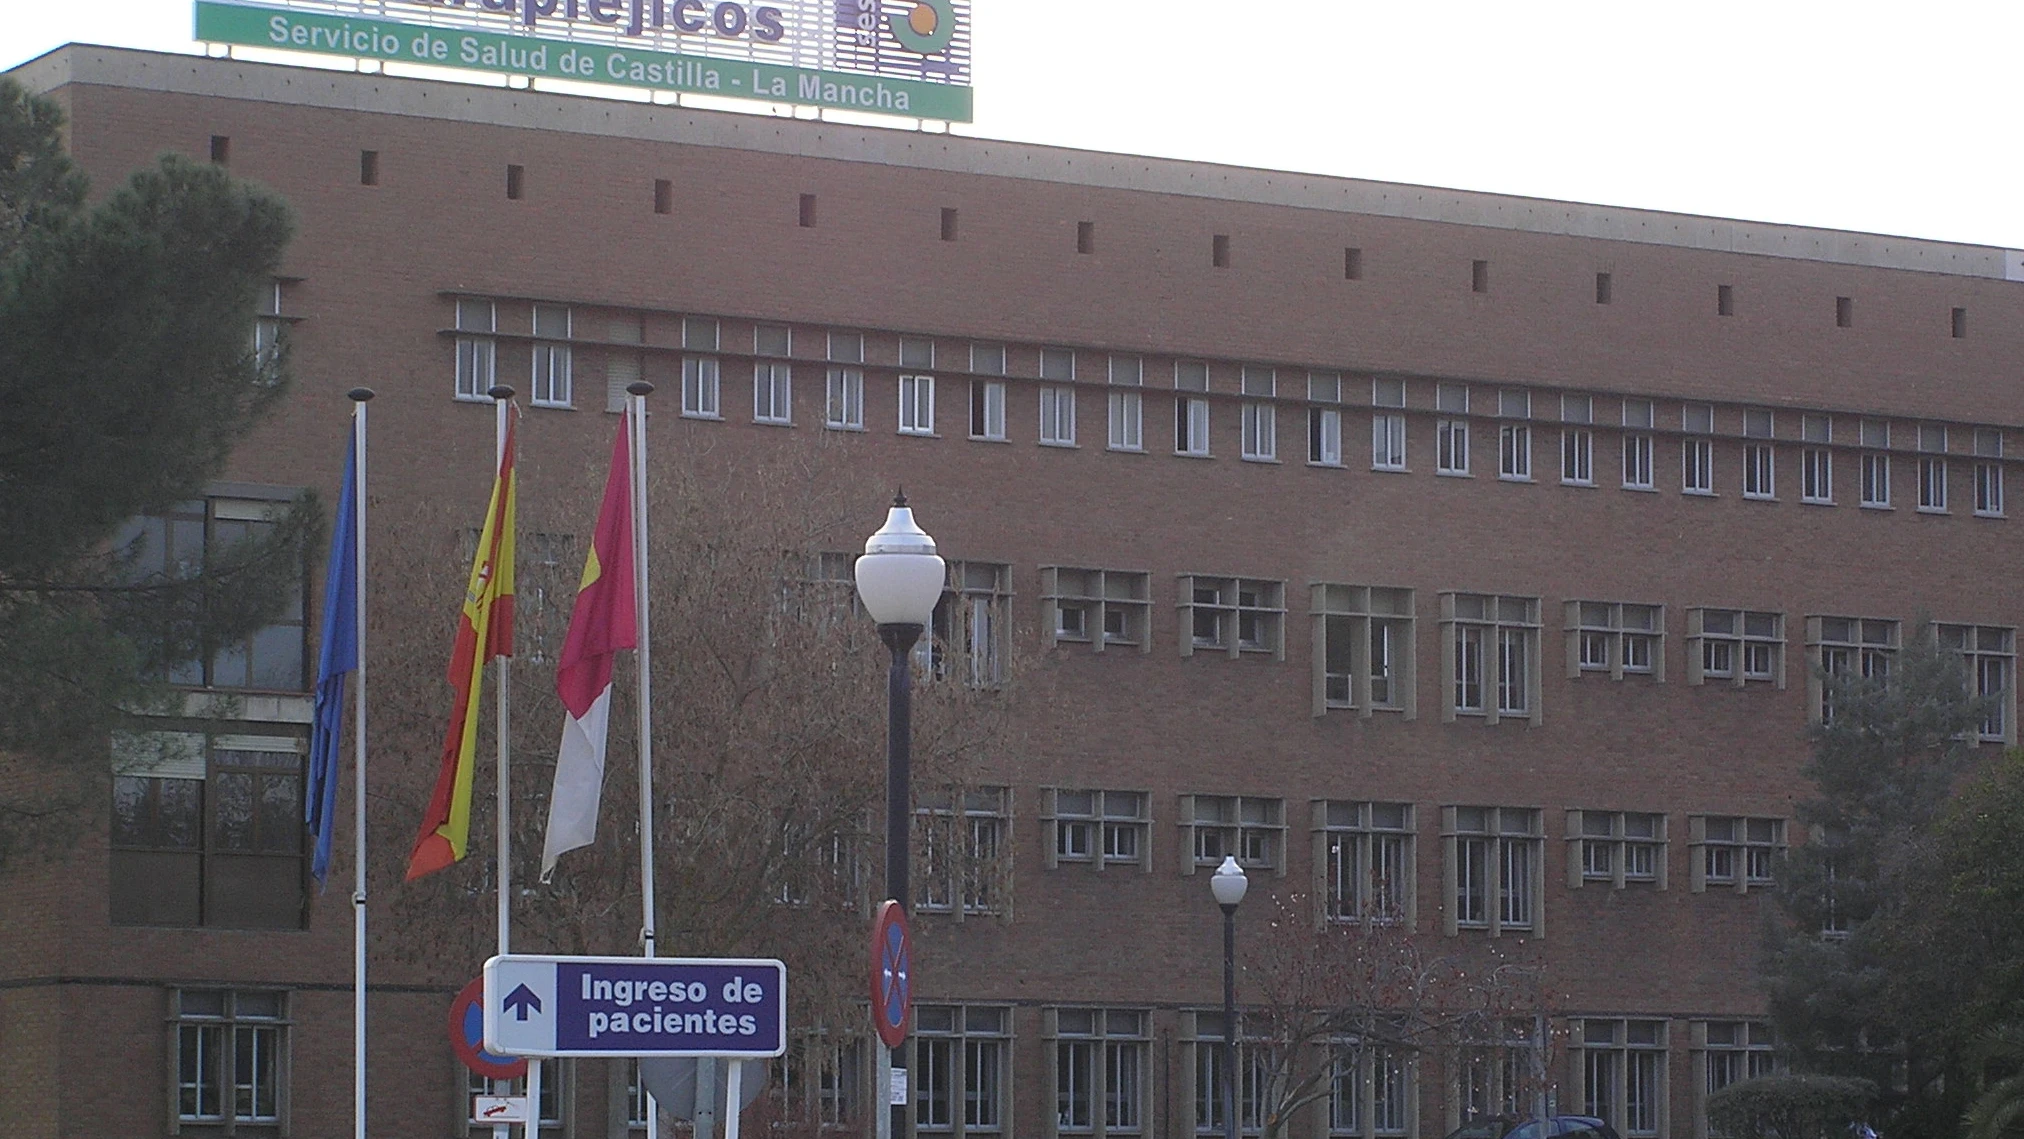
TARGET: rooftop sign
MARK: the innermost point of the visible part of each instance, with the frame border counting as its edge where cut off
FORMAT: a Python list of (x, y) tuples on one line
[(897, 57)]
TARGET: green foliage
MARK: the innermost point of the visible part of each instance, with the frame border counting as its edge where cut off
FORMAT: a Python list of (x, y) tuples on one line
[(1998, 1111), (1790, 1106), (128, 372)]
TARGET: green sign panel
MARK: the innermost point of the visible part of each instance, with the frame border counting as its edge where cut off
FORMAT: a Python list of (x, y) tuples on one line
[(587, 63)]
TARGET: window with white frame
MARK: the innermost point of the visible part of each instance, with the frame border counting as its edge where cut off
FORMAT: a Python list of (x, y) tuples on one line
[(550, 373), (269, 325), (1988, 657), (1324, 419), (1816, 459), (1205, 1033), (962, 850), (1451, 429), (1738, 646), (1388, 425), (1637, 444), (772, 379), (1697, 450), (1988, 472), (1621, 1065), (477, 354), (1577, 440), (1493, 1071), (844, 407), (1233, 615), (553, 1074), (1260, 416), (231, 1061), (1845, 647), (1514, 440), (1734, 852), (1760, 456), (1363, 861), (1491, 650), (1933, 468), (1364, 1073), (987, 359), (1616, 638), (1875, 437), (1127, 403), (1191, 408), (1729, 1052), (1057, 400), (917, 353), (622, 369), (962, 1064), (1616, 847), (699, 373), (1214, 827), (987, 410), (1100, 1065), (1098, 607), (917, 405), (1101, 828), (1363, 648), (1495, 868), (970, 630)]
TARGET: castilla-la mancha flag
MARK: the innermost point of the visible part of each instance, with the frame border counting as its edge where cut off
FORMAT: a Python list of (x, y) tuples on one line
[(603, 622), (484, 631)]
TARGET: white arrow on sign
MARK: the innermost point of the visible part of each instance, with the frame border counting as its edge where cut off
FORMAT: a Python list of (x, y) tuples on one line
[(519, 1007)]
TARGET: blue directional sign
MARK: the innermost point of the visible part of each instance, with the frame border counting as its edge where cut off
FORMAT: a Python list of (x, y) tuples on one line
[(635, 1006)]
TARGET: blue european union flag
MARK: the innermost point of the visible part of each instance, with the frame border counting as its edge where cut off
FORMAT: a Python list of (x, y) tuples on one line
[(336, 658)]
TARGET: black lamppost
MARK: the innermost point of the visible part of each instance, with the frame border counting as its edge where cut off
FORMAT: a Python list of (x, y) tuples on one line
[(1228, 883), (899, 580)]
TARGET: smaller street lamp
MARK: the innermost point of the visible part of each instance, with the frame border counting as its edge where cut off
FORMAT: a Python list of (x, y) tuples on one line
[(1228, 883)]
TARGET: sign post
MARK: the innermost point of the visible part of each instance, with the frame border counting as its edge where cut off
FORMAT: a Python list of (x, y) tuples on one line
[(892, 1005), (635, 1006)]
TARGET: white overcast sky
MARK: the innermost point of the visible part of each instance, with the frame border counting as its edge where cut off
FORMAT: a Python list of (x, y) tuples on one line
[(1893, 118)]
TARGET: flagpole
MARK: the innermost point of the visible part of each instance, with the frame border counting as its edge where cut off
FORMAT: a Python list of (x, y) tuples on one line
[(503, 679), (359, 397), (639, 390)]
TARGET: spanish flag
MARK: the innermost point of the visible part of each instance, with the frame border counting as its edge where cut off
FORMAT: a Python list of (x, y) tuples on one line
[(604, 621), (487, 621)]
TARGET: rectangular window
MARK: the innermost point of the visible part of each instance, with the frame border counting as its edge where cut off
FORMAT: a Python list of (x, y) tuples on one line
[(1602, 288), (516, 182), (1616, 847), (1729, 1052), (772, 380), (1616, 638), (1697, 453), (948, 224), (1127, 403), (1479, 276), (1324, 419), (551, 364), (1988, 472), (1759, 457), (1817, 460), (962, 1054), (1988, 654), (476, 355), (1932, 468), (1387, 428), (1725, 300), (1216, 826), (1219, 251), (1233, 615), (700, 388), (1875, 463), (1845, 648), (231, 1060), (1057, 416), (1085, 237), (962, 843), (1363, 651), (1098, 607), (1577, 456), (1514, 440), (1622, 1066), (844, 406), (1260, 422), (987, 359), (1637, 444), (1352, 263), (917, 405), (369, 169), (1739, 853), (1364, 861), (664, 196), (987, 410), (1102, 828), (1494, 868), (1100, 1070), (967, 636), (1451, 432), (1191, 412), (1844, 312), (1492, 650)]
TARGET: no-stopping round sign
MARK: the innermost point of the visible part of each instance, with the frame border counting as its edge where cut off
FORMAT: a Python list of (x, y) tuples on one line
[(892, 980)]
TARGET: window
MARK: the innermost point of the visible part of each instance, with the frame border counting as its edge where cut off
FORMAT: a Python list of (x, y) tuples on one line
[(822, 1081), (269, 326), (1233, 614), (664, 196), (1214, 827), (1844, 312), (1363, 649), (622, 369), (1988, 472), (1493, 1070), (1514, 440), (1363, 861), (1100, 607), (1988, 656), (1817, 460), (968, 633), (1616, 638), (917, 352), (1844, 647), (1479, 276), (516, 182), (1932, 468), (987, 359), (1602, 288), (1729, 1052), (1085, 237), (1637, 444), (1451, 431), (1621, 1065), (772, 380), (806, 211), (207, 831), (917, 405), (1759, 457), (551, 367), (1127, 404), (962, 1062), (962, 853), (1219, 251), (1740, 853), (369, 170), (476, 355), (1577, 442), (844, 410), (1491, 646), (1102, 828), (1875, 463), (552, 1092), (1324, 419), (1495, 872), (1725, 300), (1191, 412), (1735, 645), (1057, 400), (1260, 418), (1362, 1073), (987, 397), (1352, 263), (1616, 847), (231, 1061), (948, 223), (1697, 452), (1100, 1069), (1205, 1033), (699, 373), (1387, 428)]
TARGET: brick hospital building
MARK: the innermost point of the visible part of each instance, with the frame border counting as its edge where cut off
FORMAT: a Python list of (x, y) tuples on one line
[(1462, 558)]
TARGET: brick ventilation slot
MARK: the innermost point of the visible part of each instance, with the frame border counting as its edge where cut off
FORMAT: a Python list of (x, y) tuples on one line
[(1085, 237), (516, 182), (808, 211), (368, 167)]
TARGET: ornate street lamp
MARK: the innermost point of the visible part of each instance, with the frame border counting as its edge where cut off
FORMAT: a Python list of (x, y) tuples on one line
[(1228, 883)]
